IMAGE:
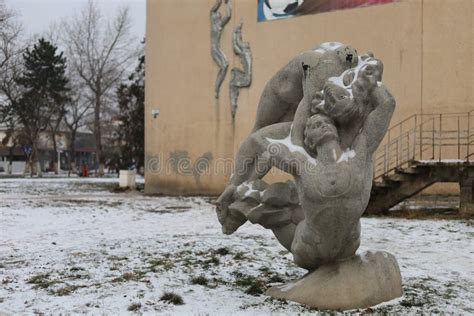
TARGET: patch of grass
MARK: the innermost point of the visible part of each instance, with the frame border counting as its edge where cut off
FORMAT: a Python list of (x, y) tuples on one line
[(117, 258), (41, 281), (134, 307), (118, 189), (254, 285), (239, 256), (214, 260), (218, 281), (66, 290), (411, 302), (160, 264), (7, 280), (275, 278), (78, 276), (130, 276), (201, 253), (257, 288), (172, 298), (200, 280), (75, 269), (419, 294), (221, 251), (74, 201), (178, 207), (448, 213), (275, 301)]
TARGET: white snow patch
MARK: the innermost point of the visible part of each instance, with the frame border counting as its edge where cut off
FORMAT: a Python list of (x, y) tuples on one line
[(52, 227), (287, 287), (250, 190), (287, 142), (360, 64), (437, 161), (328, 46), (346, 155), (320, 50)]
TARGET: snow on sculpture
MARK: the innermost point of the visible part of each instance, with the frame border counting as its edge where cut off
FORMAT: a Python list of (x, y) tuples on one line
[(327, 144)]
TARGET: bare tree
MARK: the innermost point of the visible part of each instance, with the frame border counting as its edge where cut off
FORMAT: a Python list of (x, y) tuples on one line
[(10, 49), (10, 30), (10, 68), (100, 52), (78, 111)]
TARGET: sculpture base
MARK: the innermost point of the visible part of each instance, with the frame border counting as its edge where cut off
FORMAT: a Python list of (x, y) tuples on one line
[(362, 281)]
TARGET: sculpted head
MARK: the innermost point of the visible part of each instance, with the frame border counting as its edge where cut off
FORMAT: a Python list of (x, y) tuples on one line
[(319, 129), (328, 60), (338, 105), (347, 101), (347, 55)]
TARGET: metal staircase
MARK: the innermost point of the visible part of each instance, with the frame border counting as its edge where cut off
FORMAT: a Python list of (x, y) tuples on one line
[(419, 151)]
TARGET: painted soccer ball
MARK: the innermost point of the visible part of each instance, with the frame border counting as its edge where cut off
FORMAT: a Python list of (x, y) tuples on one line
[(277, 9)]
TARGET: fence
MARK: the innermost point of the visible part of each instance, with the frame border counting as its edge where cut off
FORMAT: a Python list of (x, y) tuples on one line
[(446, 137)]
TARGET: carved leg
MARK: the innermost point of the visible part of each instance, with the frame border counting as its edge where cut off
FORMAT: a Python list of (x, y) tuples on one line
[(270, 110), (282, 221), (305, 247), (223, 64)]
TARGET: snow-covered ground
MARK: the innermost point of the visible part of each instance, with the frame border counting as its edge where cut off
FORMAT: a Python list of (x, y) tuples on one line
[(72, 246)]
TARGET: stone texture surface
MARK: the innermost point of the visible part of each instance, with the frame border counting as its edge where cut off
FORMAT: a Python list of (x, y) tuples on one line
[(280, 194), (327, 146), (327, 149), (364, 280)]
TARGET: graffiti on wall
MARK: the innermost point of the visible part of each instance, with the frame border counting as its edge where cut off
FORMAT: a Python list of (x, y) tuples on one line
[(282, 9)]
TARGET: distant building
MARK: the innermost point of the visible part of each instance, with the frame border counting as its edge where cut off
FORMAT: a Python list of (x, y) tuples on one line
[(426, 46), (18, 155)]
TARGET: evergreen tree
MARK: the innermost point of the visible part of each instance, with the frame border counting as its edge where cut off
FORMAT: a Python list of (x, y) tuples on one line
[(44, 93), (131, 133)]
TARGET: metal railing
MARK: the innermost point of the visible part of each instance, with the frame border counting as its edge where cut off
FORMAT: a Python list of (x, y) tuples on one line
[(447, 137)]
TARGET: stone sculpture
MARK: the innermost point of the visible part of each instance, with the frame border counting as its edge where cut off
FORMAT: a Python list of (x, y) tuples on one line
[(342, 115), (284, 91), (217, 25), (240, 78)]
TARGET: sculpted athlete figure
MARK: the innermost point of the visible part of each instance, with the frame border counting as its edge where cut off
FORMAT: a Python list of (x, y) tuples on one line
[(240, 78), (217, 25), (333, 180)]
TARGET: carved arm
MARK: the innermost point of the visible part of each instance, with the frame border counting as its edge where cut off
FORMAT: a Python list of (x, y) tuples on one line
[(216, 6), (303, 112), (237, 40), (228, 13), (378, 121)]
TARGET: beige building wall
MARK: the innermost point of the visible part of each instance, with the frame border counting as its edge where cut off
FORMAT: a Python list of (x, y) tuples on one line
[(426, 47)]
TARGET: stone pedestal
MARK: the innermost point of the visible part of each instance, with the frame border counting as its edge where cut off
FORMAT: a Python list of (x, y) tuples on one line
[(466, 198), (362, 281), (127, 179)]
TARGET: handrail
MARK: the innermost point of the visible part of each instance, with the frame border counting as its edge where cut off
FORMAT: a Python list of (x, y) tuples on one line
[(425, 114), (433, 136)]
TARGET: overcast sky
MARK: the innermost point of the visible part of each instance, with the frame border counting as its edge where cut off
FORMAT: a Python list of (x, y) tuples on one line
[(38, 15)]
